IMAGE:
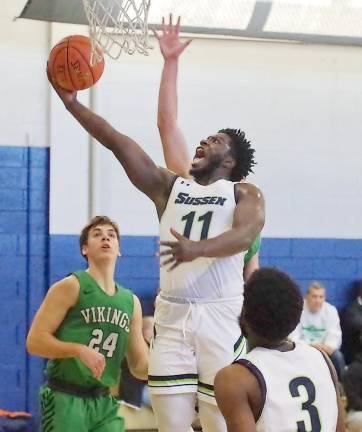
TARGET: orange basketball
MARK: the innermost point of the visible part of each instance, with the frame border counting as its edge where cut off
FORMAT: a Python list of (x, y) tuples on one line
[(69, 63)]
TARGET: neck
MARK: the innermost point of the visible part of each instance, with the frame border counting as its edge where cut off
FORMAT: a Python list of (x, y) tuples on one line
[(103, 275), (282, 345), (209, 179)]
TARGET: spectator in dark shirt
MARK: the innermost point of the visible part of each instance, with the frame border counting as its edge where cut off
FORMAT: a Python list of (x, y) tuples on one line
[(352, 325), (352, 383)]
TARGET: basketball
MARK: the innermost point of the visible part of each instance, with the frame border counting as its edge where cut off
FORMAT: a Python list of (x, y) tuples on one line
[(69, 63)]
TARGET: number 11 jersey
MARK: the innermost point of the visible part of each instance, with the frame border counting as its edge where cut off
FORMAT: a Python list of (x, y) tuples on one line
[(201, 212)]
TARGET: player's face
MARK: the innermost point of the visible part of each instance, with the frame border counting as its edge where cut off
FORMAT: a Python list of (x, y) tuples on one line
[(315, 299), (102, 243), (210, 153)]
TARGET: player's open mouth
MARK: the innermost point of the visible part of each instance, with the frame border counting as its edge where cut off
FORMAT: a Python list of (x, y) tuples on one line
[(199, 154)]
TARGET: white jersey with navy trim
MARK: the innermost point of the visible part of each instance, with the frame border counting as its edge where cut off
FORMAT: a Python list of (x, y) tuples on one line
[(298, 389), (201, 212)]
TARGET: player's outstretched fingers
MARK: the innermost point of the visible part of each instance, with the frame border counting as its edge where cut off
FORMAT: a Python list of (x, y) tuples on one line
[(166, 252), (169, 261)]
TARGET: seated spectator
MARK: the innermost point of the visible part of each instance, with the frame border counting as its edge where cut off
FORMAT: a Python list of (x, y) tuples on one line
[(320, 326), (352, 325), (352, 384)]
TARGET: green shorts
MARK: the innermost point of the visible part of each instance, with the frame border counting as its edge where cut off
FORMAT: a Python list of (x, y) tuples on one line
[(62, 412)]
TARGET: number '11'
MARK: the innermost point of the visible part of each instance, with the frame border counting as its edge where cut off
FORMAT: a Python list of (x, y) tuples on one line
[(189, 218)]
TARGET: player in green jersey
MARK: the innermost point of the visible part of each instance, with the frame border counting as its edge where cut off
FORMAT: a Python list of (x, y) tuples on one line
[(86, 325), (174, 145)]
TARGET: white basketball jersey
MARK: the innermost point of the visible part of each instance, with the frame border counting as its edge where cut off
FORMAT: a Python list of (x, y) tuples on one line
[(201, 212), (300, 393)]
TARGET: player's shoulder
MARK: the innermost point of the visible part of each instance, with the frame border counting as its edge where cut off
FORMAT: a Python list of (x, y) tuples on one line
[(68, 282), (233, 375), (68, 286), (247, 190), (247, 187)]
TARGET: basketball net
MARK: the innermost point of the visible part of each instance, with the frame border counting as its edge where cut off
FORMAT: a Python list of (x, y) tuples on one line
[(117, 26)]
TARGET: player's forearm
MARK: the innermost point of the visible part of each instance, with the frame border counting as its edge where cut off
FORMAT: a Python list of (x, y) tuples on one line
[(229, 243), (138, 362), (140, 369), (48, 346), (95, 125), (167, 98), (140, 168), (175, 151)]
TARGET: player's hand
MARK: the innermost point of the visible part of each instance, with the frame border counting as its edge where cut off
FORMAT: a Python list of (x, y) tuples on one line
[(169, 41), (182, 250), (66, 96), (94, 360)]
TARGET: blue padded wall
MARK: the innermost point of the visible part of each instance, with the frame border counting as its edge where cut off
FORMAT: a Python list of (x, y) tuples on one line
[(30, 261), (336, 263), (24, 209)]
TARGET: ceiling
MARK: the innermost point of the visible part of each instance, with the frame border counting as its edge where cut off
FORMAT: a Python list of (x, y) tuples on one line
[(313, 21)]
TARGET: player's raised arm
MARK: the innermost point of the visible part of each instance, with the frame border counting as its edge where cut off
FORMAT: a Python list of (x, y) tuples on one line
[(155, 182), (174, 145)]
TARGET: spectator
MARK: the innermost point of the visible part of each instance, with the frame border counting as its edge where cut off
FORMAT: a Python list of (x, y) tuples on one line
[(320, 326), (352, 325), (352, 383)]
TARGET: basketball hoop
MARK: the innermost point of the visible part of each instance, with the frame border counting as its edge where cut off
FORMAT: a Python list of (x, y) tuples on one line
[(118, 25)]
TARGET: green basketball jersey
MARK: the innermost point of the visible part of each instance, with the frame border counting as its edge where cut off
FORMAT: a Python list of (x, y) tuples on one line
[(254, 248), (100, 321)]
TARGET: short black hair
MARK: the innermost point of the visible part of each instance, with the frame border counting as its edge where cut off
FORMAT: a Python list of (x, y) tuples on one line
[(273, 304), (241, 152)]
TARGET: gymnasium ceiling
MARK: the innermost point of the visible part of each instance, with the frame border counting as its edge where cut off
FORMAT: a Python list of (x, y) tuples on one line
[(313, 21)]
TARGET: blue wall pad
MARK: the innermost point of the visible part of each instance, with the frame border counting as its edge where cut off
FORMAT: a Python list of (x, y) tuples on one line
[(24, 198), (336, 263), (31, 260)]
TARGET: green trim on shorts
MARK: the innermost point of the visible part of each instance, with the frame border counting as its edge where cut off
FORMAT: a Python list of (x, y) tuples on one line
[(254, 249), (239, 346), (172, 380), (206, 389)]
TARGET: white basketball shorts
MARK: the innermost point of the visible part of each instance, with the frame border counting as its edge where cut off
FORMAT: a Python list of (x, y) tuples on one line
[(192, 342)]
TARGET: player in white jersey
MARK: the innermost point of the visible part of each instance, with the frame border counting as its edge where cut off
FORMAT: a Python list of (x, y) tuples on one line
[(193, 295), (175, 150), (233, 215), (279, 386)]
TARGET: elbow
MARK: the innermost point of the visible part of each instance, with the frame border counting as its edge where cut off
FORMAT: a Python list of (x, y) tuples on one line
[(30, 345), (139, 374), (35, 344)]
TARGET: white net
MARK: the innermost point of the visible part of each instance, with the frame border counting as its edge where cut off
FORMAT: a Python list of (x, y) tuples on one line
[(118, 26)]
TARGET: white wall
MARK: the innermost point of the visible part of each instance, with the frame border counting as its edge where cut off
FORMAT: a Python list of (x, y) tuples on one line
[(301, 105), (23, 91)]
